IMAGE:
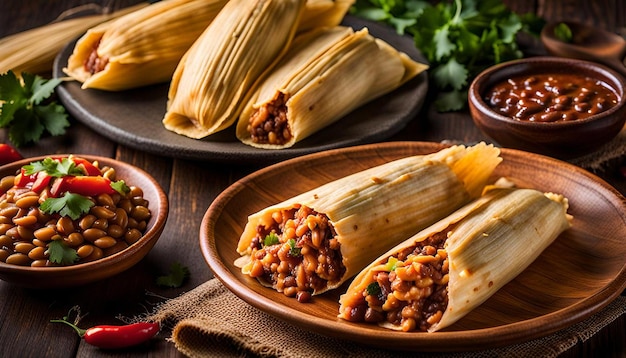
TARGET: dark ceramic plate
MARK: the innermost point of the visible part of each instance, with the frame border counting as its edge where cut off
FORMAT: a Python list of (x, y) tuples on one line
[(133, 117)]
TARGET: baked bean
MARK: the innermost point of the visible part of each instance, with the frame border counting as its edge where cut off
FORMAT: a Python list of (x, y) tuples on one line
[(551, 97), (108, 228)]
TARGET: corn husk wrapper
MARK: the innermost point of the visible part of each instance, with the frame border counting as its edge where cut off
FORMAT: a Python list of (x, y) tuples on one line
[(33, 51), (213, 80), (373, 210), (321, 79), (324, 13), (143, 47), (489, 242)]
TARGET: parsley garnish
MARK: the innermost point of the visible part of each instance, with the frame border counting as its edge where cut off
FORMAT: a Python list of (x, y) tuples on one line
[(59, 253), (271, 239), (121, 187), (459, 38), (177, 276), (54, 168), (373, 289), (293, 251), (24, 111), (70, 204)]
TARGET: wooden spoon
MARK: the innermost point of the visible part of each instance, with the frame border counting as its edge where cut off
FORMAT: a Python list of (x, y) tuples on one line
[(587, 43)]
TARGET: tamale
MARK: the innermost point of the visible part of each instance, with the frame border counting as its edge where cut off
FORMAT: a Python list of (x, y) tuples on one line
[(213, 80), (317, 240), (140, 48), (33, 51), (440, 274), (318, 81), (324, 13)]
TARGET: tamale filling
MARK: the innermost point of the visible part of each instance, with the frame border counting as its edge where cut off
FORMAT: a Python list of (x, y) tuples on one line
[(298, 253), (268, 125), (411, 291), (93, 63)]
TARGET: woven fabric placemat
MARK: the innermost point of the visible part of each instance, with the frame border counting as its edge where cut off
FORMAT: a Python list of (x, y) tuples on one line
[(211, 321)]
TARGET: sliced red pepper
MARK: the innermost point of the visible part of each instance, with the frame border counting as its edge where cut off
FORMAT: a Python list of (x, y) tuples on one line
[(83, 185), (22, 180), (41, 182), (8, 154)]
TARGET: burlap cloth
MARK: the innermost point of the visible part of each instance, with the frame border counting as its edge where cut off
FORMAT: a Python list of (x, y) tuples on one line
[(211, 321)]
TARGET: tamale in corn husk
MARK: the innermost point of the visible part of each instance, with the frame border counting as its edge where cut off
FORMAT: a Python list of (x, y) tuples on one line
[(440, 274), (33, 51), (140, 48), (317, 240), (326, 74), (213, 80), (324, 13)]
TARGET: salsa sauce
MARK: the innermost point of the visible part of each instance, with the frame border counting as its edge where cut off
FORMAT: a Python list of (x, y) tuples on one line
[(551, 97)]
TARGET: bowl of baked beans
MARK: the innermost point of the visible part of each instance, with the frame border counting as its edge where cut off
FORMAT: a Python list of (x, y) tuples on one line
[(555, 106), (69, 220)]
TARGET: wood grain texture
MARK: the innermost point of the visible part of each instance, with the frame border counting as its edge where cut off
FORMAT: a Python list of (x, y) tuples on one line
[(581, 272)]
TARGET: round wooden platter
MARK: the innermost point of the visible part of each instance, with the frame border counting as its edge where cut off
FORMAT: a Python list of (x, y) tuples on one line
[(578, 275)]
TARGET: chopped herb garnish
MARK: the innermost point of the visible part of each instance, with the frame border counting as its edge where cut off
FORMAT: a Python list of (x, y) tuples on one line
[(121, 187), (61, 254), (54, 168), (70, 204), (392, 263), (563, 32), (373, 289), (271, 239), (177, 276), (293, 251)]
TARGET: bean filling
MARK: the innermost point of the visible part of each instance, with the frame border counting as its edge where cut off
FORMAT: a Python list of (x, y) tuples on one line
[(94, 63), (268, 125), (551, 97), (298, 253), (409, 291), (111, 224)]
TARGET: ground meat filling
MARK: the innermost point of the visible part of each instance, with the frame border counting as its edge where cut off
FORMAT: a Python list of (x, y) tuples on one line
[(268, 125), (298, 253), (413, 294), (93, 63)]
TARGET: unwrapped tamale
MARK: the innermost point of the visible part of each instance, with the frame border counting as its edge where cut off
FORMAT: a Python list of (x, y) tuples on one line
[(215, 77), (440, 274), (327, 73), (140, 48), (317, 240)]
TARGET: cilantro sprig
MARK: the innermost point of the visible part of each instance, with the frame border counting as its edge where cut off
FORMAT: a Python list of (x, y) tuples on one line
[(70, 204), (459, 38), (53, 167), (175, 278), (61, 254), (271, 239), (25, 108)]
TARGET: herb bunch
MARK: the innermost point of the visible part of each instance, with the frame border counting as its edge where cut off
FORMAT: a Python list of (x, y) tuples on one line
[(459, 38)]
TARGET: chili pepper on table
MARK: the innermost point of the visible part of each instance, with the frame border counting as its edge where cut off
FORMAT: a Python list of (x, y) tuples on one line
[(115, 337)]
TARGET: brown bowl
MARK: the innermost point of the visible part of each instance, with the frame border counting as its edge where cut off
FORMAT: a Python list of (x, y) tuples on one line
[(79, 274), (561, 139)]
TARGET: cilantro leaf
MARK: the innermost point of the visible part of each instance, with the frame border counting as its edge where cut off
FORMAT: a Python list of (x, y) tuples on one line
[(53, 167), (121, 187), (70, 204), (373, 289), (293, 251), (61, 254), (24, 111), (271, 239), (177, 276)]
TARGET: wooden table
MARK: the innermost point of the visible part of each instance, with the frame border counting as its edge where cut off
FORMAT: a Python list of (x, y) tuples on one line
[(25, 330)]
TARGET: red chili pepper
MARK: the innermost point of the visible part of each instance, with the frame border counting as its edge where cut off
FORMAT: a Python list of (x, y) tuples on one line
[(8, 154), (83, 185), (115, 337)]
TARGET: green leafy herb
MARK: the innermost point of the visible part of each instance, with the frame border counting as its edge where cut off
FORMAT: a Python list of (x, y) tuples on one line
[(121, 187), (61, 254), (392, 263), (293, 251), (563, 32), (24, 108), (54, 168), (373, 289), (271, 239), (176, 277), (70, 204), (459, 38)]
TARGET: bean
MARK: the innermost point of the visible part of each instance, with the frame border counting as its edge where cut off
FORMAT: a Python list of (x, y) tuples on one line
[(93, 234), (4, 228), (105, 200), (121, 218), (9, 211), (40, 263), (140, 213), (115, 231), (24, 247), (25, 233), (27, 201), (101, 224), (74, 239), (45, 233), (18, 259), (37, 253), (102, 213), (5, 241), (105, 242), (4, 253), (65, 225), (6, 183), (96, 254), (26, 220), (87, 221), (84, 251), (40, 243)]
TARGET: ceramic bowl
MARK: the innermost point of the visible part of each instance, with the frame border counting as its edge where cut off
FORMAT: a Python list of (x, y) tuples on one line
[(84, 273), (560, 139)]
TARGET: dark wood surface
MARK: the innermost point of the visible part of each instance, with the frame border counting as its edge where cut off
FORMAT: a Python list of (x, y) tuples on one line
[(25, 330)]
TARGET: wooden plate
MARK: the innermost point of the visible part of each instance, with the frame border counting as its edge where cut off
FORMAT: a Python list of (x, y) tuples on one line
[(133, 117), (579, 274)]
